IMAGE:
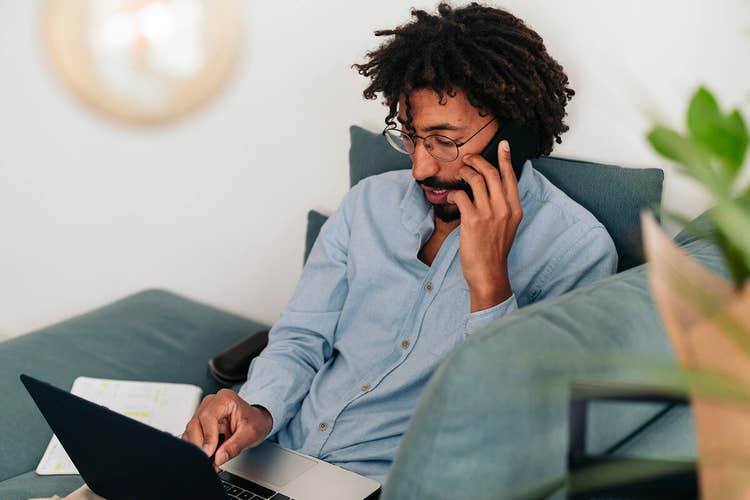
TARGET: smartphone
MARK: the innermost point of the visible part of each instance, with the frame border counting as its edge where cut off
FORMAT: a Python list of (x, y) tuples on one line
[(523, 142)]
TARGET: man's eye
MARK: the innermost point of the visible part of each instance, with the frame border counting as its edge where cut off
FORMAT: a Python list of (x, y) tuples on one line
[(443, 141)]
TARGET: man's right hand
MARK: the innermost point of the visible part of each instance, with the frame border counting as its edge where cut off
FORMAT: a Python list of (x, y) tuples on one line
[(243, 426)]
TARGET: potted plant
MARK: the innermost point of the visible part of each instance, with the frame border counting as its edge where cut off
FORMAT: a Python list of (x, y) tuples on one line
[(706, 316)]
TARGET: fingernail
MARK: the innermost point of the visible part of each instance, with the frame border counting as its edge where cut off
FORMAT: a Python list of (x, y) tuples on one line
[(221, 458), (505, 146), (207, 449)]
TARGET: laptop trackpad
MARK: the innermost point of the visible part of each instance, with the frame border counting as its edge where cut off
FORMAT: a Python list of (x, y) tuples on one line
[(270, 463)]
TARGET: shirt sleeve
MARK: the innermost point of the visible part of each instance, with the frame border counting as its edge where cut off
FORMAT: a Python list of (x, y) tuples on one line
[(590, 257), (302, 340), (478, 319)]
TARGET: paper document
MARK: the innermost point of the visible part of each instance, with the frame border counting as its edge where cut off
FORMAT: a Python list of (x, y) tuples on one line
[(167, 407)]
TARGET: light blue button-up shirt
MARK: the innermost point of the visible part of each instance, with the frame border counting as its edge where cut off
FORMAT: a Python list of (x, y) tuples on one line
[(369, 322)]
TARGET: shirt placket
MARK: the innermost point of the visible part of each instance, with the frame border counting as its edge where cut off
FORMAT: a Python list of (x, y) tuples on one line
[(405, 341)]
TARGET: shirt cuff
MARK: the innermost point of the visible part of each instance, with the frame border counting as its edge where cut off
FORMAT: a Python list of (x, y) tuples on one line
[(265, 399), (478, 319)]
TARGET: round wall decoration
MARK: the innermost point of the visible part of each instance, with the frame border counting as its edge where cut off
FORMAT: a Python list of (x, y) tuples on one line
[(143, 61)]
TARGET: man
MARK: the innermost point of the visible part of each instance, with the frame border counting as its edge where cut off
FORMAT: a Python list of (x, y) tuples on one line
[(411, 264)]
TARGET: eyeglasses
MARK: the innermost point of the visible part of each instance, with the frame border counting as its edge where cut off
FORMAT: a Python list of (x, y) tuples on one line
[(439, 146)]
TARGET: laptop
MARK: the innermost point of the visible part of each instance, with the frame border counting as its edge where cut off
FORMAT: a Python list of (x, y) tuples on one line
[(121, 458)]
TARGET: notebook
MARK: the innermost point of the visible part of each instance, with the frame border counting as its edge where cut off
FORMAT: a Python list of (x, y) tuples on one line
[(167, 407)]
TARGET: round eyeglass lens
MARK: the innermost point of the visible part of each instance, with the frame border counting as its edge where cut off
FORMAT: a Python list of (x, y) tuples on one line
[(442, 148), (400, 142)]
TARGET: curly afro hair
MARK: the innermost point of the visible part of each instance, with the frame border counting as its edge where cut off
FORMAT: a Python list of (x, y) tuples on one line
[(492, 56)]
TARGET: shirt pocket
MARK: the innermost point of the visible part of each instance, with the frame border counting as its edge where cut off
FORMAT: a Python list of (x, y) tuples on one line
[(445, 321)]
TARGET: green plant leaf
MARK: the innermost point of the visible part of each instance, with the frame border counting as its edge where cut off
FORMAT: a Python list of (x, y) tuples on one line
[(714, 386), (734, 258), (733, 222), (744, 200), (736, 126), (704, 116), (620, 472), (724, 137), (694, 160)]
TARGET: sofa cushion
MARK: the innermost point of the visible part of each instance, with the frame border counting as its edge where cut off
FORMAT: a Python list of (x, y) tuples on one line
[(153, 335), (492, 421), (315, 221), (699, 228), (615, 195), (370, 154)]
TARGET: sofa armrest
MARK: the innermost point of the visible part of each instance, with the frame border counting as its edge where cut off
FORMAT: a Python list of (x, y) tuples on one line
[(231, 366)]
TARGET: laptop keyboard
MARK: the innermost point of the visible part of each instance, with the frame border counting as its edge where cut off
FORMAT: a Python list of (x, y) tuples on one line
[(238, 487)]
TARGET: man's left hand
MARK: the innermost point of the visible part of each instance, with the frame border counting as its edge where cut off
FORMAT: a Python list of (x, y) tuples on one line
[(488, 227)]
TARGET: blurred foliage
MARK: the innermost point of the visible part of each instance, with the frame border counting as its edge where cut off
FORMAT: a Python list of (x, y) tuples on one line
[(713, 152)]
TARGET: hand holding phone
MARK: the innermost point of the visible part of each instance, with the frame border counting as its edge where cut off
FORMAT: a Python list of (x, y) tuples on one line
[(489, 223)]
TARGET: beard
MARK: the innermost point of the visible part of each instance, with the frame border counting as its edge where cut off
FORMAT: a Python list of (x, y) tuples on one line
[(447, 212)]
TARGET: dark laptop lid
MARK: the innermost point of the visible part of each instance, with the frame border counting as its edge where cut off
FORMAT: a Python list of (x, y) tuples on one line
[(121, 458)]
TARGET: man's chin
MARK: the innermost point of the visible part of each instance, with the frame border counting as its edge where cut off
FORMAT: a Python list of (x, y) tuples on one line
[(447, 212)]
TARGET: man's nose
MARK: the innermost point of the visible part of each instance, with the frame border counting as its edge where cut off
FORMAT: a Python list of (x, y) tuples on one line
[(423, 164)]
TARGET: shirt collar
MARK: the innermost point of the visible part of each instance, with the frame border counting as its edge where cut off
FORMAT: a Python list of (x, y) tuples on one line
[(417, 212)]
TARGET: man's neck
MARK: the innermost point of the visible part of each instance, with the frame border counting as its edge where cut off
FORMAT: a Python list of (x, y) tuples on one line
[(443, 228), (430, 249)]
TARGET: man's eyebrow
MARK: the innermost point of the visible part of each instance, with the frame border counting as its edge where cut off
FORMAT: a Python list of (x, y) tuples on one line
[(437, 126)]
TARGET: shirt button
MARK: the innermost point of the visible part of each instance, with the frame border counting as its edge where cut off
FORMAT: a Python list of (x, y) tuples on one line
[(428, 287), (323, 426), (405, 344), (365, 387)]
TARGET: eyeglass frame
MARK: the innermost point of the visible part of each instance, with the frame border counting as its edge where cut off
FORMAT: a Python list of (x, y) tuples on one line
[(412, 138)]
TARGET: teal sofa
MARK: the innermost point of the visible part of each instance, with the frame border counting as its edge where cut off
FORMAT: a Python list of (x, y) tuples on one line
[(492, 422)]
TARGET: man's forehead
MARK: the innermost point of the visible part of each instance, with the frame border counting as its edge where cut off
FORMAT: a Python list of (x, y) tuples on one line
[(434, 121), (429, 125), (429, 112)]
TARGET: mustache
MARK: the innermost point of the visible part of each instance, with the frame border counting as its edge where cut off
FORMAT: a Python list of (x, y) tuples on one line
[(435, 183)]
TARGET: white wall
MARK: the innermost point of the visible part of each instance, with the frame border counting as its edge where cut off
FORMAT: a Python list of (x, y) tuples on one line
[(214, 206)]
